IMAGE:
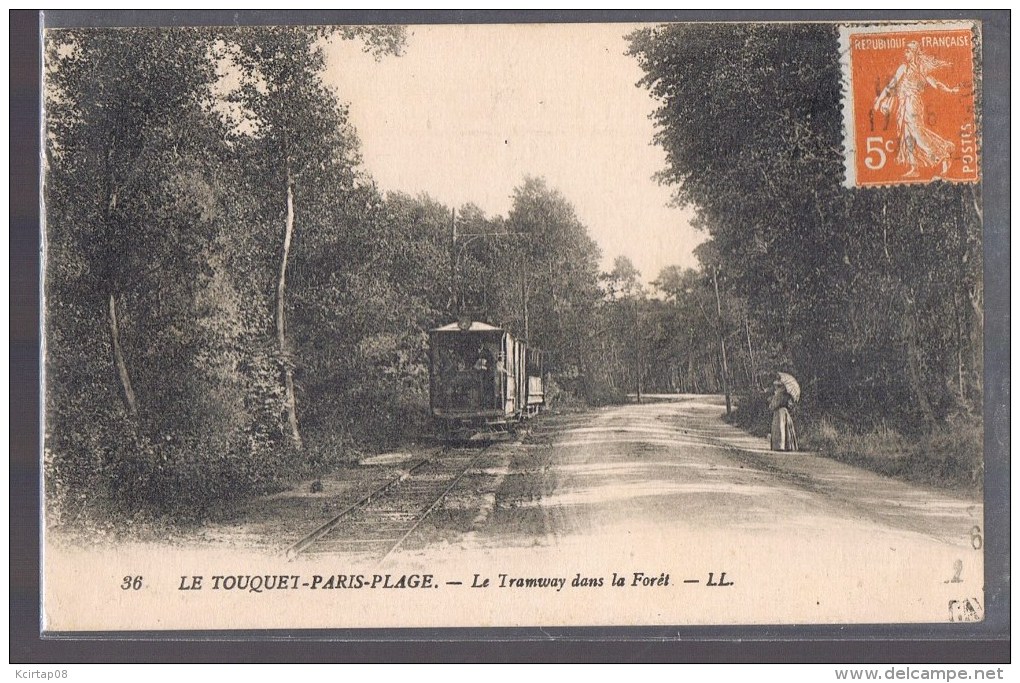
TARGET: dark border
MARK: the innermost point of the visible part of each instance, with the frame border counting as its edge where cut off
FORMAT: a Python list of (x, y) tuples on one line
[(987, 642)]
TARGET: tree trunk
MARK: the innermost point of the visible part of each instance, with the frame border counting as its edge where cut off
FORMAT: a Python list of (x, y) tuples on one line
[(914, 364), (692, 379), (961, 388), (722, 342), (755, 379), (637, 347), (281, 327), (119, 362)]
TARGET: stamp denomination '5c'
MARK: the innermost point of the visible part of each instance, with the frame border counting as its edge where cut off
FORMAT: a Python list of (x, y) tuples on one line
[(908, 103)]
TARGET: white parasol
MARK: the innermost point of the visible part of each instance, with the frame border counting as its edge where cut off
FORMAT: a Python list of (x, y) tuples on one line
[(790, 383)]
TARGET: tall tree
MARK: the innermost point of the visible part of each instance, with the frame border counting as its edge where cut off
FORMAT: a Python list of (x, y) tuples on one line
[(149, 364), (125, 117), (558, 276), (302, 138), (626, 303), (849, 286)]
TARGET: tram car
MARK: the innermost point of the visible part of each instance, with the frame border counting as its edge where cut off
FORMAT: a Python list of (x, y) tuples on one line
[(482, 380)]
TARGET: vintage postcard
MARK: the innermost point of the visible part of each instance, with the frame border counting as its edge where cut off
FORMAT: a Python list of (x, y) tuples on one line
[(534, 325)]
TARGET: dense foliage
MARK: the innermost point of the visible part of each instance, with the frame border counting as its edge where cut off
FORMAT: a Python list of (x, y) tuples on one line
[(873, 298), (230, 300)]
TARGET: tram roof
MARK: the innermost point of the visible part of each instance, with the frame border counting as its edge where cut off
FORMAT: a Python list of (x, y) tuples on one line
[(476, 326)]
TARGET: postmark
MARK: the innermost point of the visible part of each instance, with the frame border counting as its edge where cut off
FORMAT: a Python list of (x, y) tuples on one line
[(909, 96)]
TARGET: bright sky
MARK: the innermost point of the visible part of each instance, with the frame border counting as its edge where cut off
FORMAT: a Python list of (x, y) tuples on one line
[(468, 111)]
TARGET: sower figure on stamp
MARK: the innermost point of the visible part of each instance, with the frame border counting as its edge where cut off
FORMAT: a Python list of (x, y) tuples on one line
[(785, 393), (918, 144)]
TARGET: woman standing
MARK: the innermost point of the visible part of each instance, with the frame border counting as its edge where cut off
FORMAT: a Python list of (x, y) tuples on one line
[(784, 436)]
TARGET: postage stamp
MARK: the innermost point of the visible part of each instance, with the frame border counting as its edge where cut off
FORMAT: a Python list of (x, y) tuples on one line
[(909, 103)]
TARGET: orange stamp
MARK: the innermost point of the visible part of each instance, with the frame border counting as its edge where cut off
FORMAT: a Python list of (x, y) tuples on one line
[(909, 103)]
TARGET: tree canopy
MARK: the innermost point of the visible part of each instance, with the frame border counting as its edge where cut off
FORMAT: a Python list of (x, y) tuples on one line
[(871, 296), (231, 300)]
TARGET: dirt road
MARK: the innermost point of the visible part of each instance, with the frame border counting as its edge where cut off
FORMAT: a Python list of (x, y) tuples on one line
[(673, 463), (667, 487), (652, 513)]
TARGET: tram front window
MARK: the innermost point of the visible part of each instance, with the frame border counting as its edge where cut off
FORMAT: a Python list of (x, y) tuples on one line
[(468, 377)]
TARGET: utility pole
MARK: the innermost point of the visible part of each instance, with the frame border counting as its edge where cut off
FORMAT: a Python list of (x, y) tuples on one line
[(524, 293), (462, 304), (722, 341), (454, 307), (637, 345)]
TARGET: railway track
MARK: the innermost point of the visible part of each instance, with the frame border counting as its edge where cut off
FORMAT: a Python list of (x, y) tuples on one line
[(378, 523)]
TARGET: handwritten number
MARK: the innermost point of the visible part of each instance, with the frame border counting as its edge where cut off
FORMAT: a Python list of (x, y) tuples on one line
[(976, 541)]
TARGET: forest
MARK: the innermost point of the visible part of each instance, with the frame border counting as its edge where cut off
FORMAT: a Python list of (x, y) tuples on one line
[(231, 302), (873, 298)]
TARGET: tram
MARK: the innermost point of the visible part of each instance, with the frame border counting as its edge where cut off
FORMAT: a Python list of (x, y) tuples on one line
[(482, 380)]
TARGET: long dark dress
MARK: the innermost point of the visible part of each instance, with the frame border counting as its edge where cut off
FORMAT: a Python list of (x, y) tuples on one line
[(784, 435)]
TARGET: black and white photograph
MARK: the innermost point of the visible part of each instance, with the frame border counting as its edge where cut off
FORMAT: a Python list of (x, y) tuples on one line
[(513, 325)]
